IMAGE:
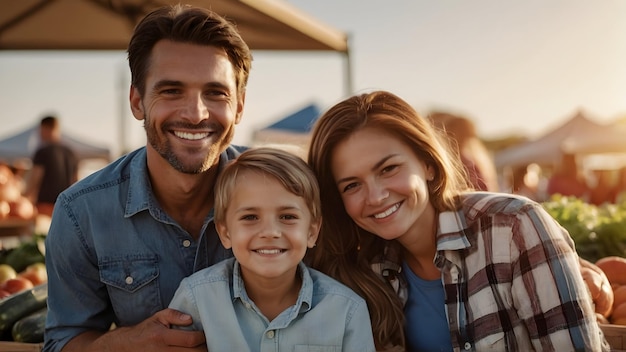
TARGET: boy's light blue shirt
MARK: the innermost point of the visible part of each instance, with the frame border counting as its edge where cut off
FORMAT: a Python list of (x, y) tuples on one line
[(327, 316)]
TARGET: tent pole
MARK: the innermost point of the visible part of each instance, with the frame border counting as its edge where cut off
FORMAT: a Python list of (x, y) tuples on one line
[(348, 68), (122, 105)]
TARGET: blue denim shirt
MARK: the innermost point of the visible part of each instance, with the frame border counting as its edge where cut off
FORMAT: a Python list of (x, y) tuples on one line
[(112, 253), (327, 316)]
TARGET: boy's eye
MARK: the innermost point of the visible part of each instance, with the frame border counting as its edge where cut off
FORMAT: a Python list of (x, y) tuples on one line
[(288, 217), (249, 217)]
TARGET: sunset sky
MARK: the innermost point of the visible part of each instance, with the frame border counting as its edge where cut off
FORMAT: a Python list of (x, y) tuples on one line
[(514, 67)]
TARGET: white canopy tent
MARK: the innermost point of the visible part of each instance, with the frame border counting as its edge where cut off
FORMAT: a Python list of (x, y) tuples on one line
[(23, 145), (548, 149)]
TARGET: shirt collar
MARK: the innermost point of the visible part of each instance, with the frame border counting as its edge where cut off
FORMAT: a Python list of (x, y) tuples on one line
[(140, 196), (305, 296), (451, 231), (140, 188)]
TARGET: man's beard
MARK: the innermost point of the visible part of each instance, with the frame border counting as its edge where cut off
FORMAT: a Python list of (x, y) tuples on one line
[(165, 150)]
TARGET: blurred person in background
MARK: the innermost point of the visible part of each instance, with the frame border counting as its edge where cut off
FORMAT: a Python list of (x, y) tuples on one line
[(568, 179), (620, 197), (54, 167), (475, 157), (605, 187), (525, 180)]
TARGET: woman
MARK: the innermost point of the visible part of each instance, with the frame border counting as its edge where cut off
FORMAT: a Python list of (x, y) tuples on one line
[(470, 270)]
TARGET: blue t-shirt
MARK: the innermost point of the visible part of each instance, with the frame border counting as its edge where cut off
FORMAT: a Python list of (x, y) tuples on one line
[(426, 325)]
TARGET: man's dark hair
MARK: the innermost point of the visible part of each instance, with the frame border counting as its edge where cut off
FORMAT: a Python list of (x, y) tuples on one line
[(186, 24)]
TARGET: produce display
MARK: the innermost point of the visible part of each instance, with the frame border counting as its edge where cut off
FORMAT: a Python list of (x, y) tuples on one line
[(615, 270), (599, 233), (23, 293), (13, 205)]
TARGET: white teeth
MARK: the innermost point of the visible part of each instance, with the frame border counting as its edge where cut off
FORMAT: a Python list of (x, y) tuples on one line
[(387, 212), (269, 251), (190, 136)]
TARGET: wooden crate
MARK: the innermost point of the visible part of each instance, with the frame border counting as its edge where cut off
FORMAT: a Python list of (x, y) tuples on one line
[(7, 346), (615, 335)]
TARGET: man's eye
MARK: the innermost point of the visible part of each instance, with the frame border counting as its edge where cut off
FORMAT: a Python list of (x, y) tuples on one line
[(170, 91)]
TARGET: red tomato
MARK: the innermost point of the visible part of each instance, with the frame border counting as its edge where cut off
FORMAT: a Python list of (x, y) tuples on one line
[(17, 285)]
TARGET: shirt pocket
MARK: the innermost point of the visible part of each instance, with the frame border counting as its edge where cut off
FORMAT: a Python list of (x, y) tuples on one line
[(316, 348), (132, 286)]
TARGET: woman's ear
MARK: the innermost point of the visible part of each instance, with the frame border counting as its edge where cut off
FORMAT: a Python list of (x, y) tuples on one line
[(222, 232), (430, 173)]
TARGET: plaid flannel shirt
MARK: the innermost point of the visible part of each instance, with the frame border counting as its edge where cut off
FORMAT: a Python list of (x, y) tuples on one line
[(511, 278)]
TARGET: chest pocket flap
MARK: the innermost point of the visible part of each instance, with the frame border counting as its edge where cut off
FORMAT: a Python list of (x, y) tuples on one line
[(129, 273)]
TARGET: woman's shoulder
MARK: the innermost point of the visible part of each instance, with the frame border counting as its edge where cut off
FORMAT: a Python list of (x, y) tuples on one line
[(475, 204)]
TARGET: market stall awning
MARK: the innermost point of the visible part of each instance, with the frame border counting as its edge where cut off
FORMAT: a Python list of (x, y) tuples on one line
[(108, 24), (548, 149)]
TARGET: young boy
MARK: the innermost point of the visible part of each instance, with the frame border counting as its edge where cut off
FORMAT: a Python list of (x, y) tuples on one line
[(267, 209)]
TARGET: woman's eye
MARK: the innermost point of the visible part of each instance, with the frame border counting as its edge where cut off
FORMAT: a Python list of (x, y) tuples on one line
[(349, 186), (389, 168)]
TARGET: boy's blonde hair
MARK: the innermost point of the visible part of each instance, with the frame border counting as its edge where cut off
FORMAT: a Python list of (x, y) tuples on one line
[(289, 169)]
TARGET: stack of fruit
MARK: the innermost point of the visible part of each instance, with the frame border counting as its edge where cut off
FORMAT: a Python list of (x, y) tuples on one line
[(12, 282), (609, 301), (614, 268), (23, 293), (12, 204)]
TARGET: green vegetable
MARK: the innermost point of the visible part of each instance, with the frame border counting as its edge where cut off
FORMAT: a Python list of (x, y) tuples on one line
[(598, 231), (19, 305), (24, 255), (30, 328)]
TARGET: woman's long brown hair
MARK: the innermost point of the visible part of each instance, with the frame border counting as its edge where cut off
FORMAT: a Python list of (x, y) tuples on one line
[(346, 251)]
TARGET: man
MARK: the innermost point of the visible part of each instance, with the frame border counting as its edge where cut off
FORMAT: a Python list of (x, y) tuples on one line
[(55, 167), (123, 238)]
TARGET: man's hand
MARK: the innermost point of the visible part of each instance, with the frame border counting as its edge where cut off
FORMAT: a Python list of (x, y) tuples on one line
[(153, 334)]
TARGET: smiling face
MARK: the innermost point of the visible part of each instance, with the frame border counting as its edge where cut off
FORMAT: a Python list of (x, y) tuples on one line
[(382, 183), (190, 106), (268, 228)]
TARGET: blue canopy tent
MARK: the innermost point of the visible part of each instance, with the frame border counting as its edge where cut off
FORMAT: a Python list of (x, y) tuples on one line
[(294, 129)]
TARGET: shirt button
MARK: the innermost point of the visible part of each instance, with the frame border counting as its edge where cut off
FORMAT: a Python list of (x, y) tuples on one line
[(129, 280), (468, 346), (247, 305), (186, 243), (270, 334)]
